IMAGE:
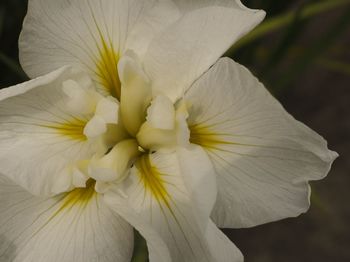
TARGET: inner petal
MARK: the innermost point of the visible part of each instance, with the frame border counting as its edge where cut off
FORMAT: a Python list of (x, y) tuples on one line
[(166, 125), (112, 167), (136, 92)]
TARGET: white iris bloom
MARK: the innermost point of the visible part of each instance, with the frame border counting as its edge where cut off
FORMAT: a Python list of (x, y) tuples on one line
[(124, 126)]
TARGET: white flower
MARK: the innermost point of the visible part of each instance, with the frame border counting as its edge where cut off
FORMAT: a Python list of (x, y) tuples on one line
[(116, 132)]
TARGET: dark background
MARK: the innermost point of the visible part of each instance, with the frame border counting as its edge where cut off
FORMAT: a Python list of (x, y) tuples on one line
[(306, 65)]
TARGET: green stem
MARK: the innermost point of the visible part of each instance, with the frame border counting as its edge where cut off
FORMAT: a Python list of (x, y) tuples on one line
[(273, 24), (293, 30), (336, 66), (317, 49), (140, 249)]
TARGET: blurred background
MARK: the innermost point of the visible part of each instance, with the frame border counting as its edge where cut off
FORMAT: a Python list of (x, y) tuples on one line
[(301, 53)]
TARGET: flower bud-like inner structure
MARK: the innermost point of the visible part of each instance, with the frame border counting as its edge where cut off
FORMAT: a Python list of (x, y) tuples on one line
[(127, 129)]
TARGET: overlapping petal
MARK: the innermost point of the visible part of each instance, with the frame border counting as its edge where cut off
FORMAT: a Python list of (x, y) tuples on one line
[(89, 34), (41, 136), (166, 125), (136, 93), (156, 190), (188, 47), (263, 157), (75, 226), (189, 5), (93, 35), (157, 248)]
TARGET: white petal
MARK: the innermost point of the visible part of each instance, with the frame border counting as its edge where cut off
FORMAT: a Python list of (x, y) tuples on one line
[(136, 92), (62, 183), (108, 109), (79, 175), (77, 226), (154, 139), (182, 130), (114, 134), (200, 177), (39, 136), (102, 187), (263, 157), (161, 113), (157, 249), (89, 34), (96, 126), (154, 21), (187, 48), (156, 191), (189, 5), (222, 247), (80, 100), (113, 166)]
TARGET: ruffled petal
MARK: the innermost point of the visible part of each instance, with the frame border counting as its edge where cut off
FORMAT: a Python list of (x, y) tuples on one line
[(75, 226), (41, 136), (89, 34), (188, 47), (158, 192), (263, 157), (136, 93)]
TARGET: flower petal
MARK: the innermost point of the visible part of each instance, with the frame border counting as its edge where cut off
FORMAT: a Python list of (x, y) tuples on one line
[(76, 226), (200, 177), (39, 136), (157, 249), (136, 93), (221, 247), (157, 192), (161, 113), (166, 127), (263, 157), (187, 48), (112, 167), (189, 5), (89, 34)]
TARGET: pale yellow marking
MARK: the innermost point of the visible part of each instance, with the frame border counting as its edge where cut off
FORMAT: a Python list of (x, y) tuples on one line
[(203, 136), (79, 196), (153, 180), (73, 129), (106, 62), (107, 67), (154, 183)]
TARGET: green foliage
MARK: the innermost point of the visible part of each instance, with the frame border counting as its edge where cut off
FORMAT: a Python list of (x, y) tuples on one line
[(140, 249), (316, 49), (335, 66), (12, 13), (286, 18), (282, 47)]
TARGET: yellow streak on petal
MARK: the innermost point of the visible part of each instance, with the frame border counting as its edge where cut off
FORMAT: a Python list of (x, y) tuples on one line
[(73, 129), (203, 136), (79, 196), (107, 62), (153, 180), (107, 69)]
